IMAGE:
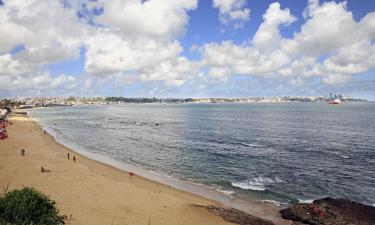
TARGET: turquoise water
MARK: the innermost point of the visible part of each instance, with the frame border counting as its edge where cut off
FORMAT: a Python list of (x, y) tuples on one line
[(278, 152)]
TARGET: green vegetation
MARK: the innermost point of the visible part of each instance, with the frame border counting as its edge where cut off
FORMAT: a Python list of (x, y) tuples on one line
[(9, 103), (27, 206)]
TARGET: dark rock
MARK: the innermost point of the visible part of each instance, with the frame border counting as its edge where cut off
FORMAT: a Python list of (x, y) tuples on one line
[(237, 216), (329, 211)]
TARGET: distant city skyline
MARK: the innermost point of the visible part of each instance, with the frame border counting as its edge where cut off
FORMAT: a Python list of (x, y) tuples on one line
[(187, 48)]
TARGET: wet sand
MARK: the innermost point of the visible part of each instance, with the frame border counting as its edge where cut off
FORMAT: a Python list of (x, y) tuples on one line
[(90, 192)]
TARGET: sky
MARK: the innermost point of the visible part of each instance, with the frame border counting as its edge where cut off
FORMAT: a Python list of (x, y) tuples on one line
[(187, 48)]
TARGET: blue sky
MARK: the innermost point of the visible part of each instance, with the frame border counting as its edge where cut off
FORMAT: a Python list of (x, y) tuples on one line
[(190, 48)]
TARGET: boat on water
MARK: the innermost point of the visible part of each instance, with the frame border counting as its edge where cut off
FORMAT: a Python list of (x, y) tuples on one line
[(335, 101)]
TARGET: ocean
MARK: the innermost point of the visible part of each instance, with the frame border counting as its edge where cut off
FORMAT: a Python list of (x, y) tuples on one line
[(281, 153)]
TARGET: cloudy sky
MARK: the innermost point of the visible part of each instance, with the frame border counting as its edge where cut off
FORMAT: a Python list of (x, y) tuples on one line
[(187, 48)]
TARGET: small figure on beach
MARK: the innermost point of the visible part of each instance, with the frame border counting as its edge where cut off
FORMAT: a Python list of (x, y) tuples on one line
[(130, 176), (23, 152), (68, 156), (42, 170), (30, 131), (45, 132), (74, 159)]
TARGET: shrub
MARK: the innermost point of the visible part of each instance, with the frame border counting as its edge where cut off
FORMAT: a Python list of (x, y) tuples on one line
[(27, 206)]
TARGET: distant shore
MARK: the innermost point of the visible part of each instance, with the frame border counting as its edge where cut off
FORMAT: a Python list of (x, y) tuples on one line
[(90, 192)]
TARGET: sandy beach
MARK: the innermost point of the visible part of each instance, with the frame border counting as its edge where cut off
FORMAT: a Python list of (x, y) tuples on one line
[(90, 192)]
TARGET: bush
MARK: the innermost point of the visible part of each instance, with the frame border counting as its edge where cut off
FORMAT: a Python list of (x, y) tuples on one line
[(27, 206)]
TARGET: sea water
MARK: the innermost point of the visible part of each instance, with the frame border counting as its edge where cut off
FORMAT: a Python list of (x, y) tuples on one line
[(280, 153)]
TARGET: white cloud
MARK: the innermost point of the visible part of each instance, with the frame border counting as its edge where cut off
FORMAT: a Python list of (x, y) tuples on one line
[(232, 12), (335, 79), (242, 60), (330, 45), (138, 41), (9, 65), (110, 53), (174, 72), (139, 37), (43, 82), (330, 27), (220, 72), (268, 36), (154, 18), (48, 32)]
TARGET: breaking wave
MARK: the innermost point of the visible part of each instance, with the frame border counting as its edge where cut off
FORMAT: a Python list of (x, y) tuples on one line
[(255, 184)]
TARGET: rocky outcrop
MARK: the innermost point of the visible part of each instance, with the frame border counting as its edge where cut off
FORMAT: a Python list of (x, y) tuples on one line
[(329, 211), (237, 216)]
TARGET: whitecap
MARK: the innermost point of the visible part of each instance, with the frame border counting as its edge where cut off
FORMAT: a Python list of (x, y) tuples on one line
[(247, 185), (253, 145), (309, 201), (255, 184)]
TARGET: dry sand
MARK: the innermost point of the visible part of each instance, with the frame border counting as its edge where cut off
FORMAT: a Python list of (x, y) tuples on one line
[(90, 192)]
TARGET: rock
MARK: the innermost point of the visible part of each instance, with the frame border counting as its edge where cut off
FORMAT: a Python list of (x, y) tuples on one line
[(329, 211), (237, 216)]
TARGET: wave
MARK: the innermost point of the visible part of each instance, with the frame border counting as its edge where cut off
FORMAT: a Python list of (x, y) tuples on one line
[(252, 145), (345, 156), (309, 201), (255, 184), (341, 155), (274, 202), (226, 192)]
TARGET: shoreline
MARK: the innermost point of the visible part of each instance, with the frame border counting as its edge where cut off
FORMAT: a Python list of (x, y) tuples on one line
[(74, 185), (201, 190)]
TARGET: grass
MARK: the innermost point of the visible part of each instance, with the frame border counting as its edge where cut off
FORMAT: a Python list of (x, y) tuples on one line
[(28, 206)]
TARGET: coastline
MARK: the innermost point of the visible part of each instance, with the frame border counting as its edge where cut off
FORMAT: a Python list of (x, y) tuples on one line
[(96, 193), (254, 206)]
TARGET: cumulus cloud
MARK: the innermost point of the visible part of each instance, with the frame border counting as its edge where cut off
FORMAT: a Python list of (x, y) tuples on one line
[(153, 18), (110, 53), (140, 37), (232, 12), (268, 36), (126, 36), (330, 45), (39, 82), (242, 60), (174, 72), (131, 41), (47, 30)]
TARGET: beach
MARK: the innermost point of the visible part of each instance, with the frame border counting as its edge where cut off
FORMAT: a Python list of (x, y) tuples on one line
[(90, 192)]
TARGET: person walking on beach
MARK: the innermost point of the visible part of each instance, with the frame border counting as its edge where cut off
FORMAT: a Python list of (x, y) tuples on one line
[(74, 159), (23, 152), (130, 176), (68, 156)]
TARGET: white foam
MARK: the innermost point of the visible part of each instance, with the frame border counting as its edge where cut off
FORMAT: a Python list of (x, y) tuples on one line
[(254, 145), (273, 202), (341, 155), (305, 201), (226, 192), (249, 185), (255, 184)]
